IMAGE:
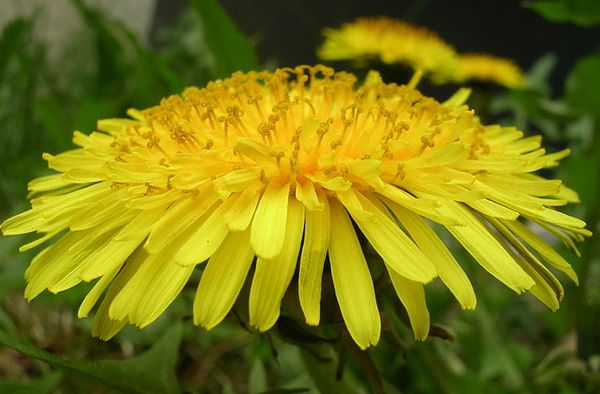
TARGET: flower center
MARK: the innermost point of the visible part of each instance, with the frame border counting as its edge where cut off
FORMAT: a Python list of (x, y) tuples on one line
[(289, 126)]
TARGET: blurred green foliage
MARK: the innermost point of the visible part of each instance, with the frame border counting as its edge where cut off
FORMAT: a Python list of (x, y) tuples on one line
[(581, 12), (508, 345)]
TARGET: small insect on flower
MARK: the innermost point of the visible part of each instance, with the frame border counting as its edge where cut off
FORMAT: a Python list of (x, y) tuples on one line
[(279, 171)]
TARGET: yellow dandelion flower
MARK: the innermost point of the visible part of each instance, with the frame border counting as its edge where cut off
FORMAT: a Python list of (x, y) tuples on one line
[(279, 172), (392, 41), (488, 68)]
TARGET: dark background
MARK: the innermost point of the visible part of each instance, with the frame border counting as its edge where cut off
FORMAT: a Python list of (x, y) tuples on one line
[(288, 32)]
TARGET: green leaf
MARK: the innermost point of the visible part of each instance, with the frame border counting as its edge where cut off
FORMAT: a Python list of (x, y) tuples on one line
[(540, 73), (257, 380), (496, 360), (580, 12), (287, 391), (581, 131), (111, 58), (41, 386), (54, 119), (232, 51), (323, 373), (12, 40), (153, 76), (583, 85), (150, 372)]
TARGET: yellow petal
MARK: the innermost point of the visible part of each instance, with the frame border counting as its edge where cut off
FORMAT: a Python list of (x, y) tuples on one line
[(412, 296), (110, 225), (103, 325), (48, 183), (97, 212), (223, 279), (151, 289), (273, 276), (565, 237), (237, 180), (305, 193), (256, 151), (443, 156), (207, 235), (93, 295), (529, 205), (337, 183), (268, 226), (352, 280), (397, 250), (538, 244), (480, 243), (176, 220), (41, 240), (67, 269), (154, 201), (567, 194), (458, 98), (111, 255), (50, 263), (364, 168), (535, 186), (491, 208), (422, 206), (47, 207), (447, 267), (312, 261), (141, 224), (240, 214), (114, 126), (76, 158), (547, 288)]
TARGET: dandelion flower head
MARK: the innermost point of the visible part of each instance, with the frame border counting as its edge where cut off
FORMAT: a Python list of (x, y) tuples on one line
[(277, 175), (487, 68), (392, 41)]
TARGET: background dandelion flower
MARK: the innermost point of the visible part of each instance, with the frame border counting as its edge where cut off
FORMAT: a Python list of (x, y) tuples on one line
[(487, 68), (392, 41), (274, 169)]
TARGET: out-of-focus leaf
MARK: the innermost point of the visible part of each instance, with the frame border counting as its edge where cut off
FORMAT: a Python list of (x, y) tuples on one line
[(534, 108), (287, 391), (110, 61), (11, 271), (184, 50), (321, 373), (292, 331), (231, 49), (538, 76), (150, 372), (496, 360), (52, 116), (90, 110), (44, 385), (257, 381), (580, 12), (12, 40), (153, 78), (583, 85), (581, 131)]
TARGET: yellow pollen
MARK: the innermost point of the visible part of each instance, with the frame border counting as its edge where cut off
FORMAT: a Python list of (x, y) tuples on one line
[(315, 119)]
